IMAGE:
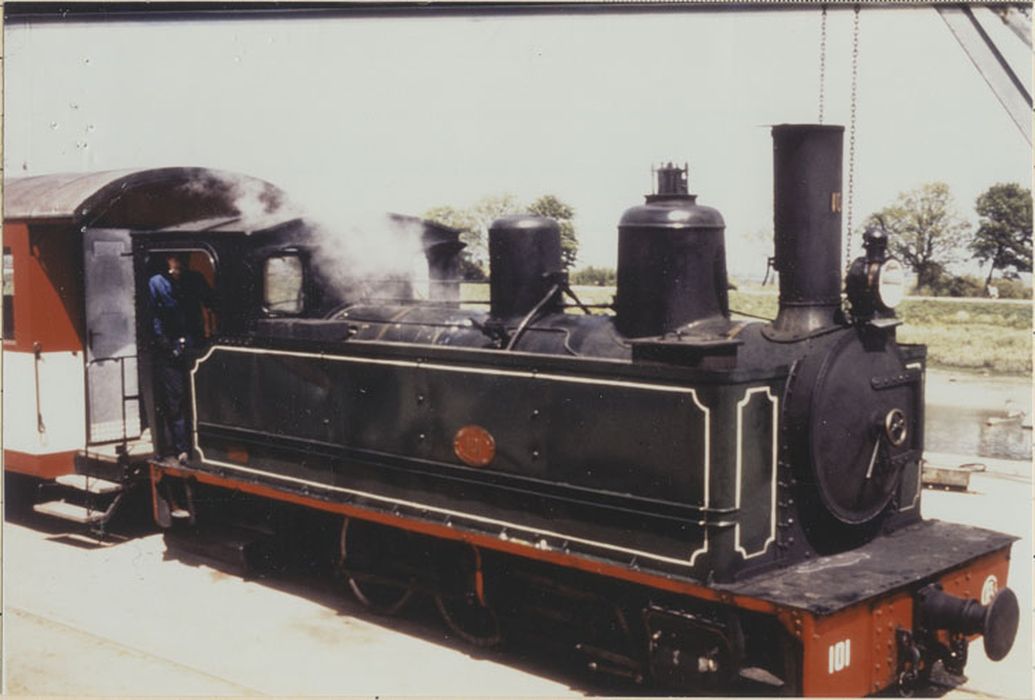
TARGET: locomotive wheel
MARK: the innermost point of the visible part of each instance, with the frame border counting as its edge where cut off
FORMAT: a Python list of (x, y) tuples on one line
[(379, 596), (473, 622)]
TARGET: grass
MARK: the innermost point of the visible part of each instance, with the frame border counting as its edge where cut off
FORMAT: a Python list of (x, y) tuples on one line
[(984, 336), (969, 335), (993, 337)]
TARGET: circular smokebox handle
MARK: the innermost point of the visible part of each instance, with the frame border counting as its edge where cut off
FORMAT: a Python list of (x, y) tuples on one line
[(896, 427)]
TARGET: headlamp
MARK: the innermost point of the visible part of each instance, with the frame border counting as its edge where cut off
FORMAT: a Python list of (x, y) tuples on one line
[(891, 283), (876, 282)]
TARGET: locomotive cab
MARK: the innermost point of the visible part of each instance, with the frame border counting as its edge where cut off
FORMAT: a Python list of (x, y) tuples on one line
[(77, 434)]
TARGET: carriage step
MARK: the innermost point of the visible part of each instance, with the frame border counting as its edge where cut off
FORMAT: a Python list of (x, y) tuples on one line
[(70, 511), (90, 484)]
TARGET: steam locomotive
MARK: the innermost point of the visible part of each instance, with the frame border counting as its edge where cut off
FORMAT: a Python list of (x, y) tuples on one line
[(675, 496)]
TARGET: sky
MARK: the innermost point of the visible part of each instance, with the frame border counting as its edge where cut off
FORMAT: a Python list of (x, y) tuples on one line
[(356, 115)]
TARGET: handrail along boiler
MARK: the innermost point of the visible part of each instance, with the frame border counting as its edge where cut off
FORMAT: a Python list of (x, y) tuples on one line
[(674, 495)]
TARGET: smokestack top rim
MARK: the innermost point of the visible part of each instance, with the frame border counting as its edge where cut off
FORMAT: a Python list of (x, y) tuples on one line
[(806, 128)]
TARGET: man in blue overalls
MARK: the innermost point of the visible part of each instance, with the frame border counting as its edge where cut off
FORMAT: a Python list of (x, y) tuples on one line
[(177, 295)]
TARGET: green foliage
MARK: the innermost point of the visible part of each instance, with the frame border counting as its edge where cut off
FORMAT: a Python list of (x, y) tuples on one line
[(924, 230), (1004, 231), (965, 286), (974, 335), (475, 293), (1013, 289), (970, 334), (754, 305), (474, 221), (564, 215), (946, 285), (959, 314), (595, 276), (973, 346), (972, 286), (470, 271)]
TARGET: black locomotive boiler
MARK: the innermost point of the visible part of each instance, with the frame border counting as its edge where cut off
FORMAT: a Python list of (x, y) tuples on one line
[(678, 497)]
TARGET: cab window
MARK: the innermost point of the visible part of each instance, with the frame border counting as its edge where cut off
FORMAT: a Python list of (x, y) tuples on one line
[(282, 285)]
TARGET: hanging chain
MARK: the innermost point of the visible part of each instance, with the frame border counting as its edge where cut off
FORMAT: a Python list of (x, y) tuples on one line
[(822, 61), (851, 138)]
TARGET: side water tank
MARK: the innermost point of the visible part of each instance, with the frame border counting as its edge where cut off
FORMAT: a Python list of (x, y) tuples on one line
[(671, 261)]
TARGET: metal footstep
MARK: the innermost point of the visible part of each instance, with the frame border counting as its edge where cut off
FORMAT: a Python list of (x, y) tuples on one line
[(90, 484), (87, 500), (71, 511)]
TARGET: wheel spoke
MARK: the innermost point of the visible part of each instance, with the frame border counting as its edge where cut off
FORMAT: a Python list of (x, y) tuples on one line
[(473, 622), (381, 596)]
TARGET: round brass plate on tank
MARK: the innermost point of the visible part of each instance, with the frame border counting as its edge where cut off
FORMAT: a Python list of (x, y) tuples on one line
[(474, 446)]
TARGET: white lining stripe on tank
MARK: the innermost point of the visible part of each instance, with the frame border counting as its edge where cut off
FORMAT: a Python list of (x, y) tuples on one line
[(740, 456), (474, 370)]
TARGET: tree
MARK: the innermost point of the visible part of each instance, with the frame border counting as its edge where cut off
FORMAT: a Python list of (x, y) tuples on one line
[(924, 230), (550, 206), (1004, 229), (474, 222)]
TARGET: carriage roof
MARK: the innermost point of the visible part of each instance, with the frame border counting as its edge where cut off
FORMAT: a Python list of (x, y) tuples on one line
[(142, 199)]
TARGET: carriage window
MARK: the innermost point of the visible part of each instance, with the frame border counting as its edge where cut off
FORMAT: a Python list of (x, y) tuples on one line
[(8, 273), (282, 288)]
